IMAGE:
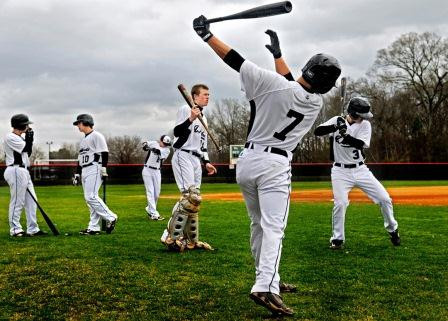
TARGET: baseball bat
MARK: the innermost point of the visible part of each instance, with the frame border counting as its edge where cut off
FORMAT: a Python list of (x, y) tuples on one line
[(191, 103), (103, 221), (343, 93), (267, 10), (46, 217)]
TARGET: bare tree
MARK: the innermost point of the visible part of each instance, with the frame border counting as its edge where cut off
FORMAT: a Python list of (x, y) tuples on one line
[(125, 149), (67, 151), (228, 121), (417, 64)]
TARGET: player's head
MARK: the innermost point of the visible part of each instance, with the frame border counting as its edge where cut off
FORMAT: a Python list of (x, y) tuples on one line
[(165, 140), (359, 108), (321, 73), (200, 94), (20, 122), (84, 122)]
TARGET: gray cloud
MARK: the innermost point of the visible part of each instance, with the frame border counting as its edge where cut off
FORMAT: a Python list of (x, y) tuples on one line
[(122, 60)]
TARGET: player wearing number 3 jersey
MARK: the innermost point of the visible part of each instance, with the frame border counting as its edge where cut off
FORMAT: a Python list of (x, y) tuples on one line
[(348, 137), (282, 112)]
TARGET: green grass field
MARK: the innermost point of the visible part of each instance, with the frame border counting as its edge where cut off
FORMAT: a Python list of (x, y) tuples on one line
[(128, 275)]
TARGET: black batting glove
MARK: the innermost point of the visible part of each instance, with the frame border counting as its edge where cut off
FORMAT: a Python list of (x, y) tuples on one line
[(202, 28), (340, 123), (274, 47), (29, 136)]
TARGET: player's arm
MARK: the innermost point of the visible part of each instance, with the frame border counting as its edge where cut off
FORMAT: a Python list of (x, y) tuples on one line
[(330, 126), (363, 138), (185, 118), (280, 64)]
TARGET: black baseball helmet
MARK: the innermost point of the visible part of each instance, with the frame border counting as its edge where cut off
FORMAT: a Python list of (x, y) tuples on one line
[(166, 140), (321, 72), (20, 121), (359, 107), (85, 119)]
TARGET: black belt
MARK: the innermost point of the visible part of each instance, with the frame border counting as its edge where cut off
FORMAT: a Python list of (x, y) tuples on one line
[(16, 165), (348, 165), (192, 152), (273, 150), (151, 167), (90, 164)]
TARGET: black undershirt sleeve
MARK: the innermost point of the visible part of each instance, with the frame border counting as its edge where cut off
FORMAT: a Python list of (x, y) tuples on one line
[(182, 128), (104, 158), (234, 60), (289, 76), (324, 130), (353, 142)]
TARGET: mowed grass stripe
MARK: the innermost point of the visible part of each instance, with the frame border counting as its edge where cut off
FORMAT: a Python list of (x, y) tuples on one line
[(128, 275)]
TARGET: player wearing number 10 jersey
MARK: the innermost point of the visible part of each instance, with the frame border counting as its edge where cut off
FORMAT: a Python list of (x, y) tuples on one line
[(282, 112)]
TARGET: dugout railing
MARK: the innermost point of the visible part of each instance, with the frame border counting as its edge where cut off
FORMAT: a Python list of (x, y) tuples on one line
[(59, 174)]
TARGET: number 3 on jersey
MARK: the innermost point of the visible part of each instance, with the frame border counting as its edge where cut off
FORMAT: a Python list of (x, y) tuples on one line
[(291, 114)]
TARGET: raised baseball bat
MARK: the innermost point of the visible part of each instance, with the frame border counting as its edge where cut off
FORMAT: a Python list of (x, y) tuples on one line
[(191, 103), (343, 93), (267, 10), (46, 217)]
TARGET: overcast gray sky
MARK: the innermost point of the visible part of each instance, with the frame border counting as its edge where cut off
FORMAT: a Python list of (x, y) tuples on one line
[(121, 61)]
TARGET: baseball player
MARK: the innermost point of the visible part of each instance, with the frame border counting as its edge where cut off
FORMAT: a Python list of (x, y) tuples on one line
[(349, 136), (18, 150), (282, 112), (92, 167), (158, 151), (190, 148)]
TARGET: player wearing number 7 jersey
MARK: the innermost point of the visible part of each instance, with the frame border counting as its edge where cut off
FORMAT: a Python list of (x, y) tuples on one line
[(348, 138), (282, 112)]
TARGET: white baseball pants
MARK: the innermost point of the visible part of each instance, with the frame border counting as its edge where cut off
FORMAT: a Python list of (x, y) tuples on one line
[(19, 181), (187, 170), (343, 180), (152, 180), (265, 181), (91, 183)]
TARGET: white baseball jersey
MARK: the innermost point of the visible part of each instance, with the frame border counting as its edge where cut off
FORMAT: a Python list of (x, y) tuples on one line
[(344, 153), (92, 144), (156, 154), (197, 139), (15, 144), (282, 112)]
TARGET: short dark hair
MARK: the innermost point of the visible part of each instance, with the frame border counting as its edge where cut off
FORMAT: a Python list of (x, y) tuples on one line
[(195, 90)]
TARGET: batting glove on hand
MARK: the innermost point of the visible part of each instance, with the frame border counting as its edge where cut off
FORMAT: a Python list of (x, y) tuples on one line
[(29, 135), (145, 146), (76, 179), (274, 47), (104, 172), (340, 123), (202, 28)]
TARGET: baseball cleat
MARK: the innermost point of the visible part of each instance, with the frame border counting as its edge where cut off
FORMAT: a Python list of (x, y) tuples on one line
[(39, 233), (20, 234), (272, 302), (287, 288), (110, 226), (395, 237), (336, 244), (156, 218), (89, 232)]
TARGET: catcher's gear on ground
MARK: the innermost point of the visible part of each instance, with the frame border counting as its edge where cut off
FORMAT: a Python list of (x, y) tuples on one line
[(20, 121), (274, 47), (359, 107), (321, 72), (85, 119), (202, 28), (76, 179)]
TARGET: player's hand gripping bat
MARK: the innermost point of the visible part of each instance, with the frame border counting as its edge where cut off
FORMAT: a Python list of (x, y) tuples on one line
[(267, 10), (191, 103)]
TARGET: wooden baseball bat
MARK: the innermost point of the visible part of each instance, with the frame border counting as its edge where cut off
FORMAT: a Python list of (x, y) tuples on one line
[(343, 93), (47, 219), (267, 10), (191, 103)]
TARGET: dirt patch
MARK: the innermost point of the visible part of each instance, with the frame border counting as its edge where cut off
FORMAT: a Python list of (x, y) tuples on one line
[(420, 195)]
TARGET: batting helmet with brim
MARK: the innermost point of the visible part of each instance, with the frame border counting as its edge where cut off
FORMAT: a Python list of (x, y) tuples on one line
[(359, 107), (166, 140), (85, 119), (321, 72), (20, 121)]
